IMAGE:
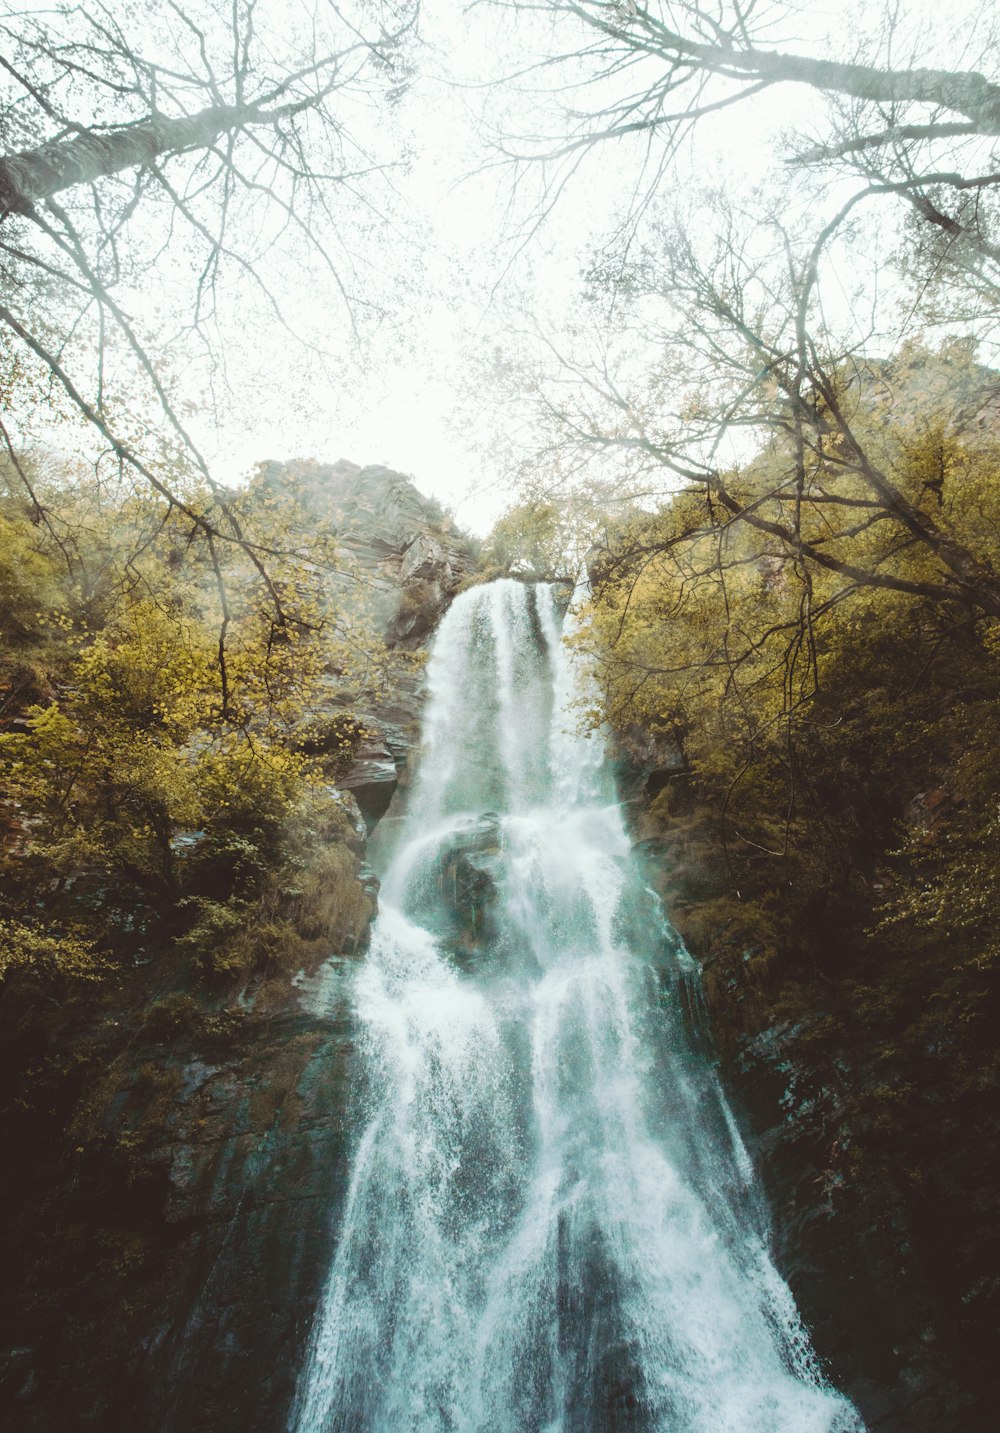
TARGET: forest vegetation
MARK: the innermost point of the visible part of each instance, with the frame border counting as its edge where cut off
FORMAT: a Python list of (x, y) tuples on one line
[(773, 443), (172, 838), (769, 433), (829, 829)]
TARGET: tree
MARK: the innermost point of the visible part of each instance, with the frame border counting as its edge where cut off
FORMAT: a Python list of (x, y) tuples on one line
[(904, 128), (114, 734), (537, 538), (750, 446), (717, 337), (163, 145)]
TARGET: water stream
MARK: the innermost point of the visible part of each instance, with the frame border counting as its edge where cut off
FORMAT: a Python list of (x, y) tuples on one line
[(552, 1224)]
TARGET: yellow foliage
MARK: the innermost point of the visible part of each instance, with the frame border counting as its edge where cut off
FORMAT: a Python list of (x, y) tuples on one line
[(25, 948)]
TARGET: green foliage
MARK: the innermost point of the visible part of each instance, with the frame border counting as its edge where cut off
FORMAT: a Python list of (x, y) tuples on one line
[(214, 928), (167, 838), (138, 701)]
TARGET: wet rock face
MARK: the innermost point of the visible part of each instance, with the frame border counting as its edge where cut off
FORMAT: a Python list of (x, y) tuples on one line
[(845, 1247), (256, 1179), (466, 875), (372, 779), (646, 764), (453, 889), (216, 1235)]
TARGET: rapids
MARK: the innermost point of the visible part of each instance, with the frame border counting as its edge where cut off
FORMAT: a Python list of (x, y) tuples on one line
[(552, 1224)]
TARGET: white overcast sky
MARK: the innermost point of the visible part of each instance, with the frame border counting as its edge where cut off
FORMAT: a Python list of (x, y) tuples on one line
[(408, 403), (404, 413)]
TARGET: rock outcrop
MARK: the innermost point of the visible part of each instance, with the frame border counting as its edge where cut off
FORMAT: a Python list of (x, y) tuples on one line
[(411, 560), (409, 551), (196, 1214), (467, 876)]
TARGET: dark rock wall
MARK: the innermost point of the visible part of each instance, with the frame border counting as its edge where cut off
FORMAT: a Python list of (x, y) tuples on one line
[(185, 1269), (254, 1180), (263, 1164), (881, 1278)]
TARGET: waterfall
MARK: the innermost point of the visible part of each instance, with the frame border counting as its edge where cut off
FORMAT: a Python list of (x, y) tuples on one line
[(552, 1225)]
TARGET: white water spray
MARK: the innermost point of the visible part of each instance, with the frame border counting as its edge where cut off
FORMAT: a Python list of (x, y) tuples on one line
[(552, 1225)]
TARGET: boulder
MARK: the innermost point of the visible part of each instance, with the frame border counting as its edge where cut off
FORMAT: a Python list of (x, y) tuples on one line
[(424, 557), (372, 780), (468, 880)]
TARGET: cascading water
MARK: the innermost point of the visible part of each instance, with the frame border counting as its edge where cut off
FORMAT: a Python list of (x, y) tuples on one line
[(552, 1225)]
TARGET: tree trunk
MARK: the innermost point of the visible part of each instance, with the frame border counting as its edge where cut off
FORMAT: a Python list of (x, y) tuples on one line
[(28, 178), (964, 92)]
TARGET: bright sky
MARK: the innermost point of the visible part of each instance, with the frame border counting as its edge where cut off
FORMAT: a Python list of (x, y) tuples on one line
[(406, 413), (455, 272), (410, 410)]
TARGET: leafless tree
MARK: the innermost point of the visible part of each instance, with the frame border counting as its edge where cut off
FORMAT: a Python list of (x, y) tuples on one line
[(923, 135), (722, 315), (189, 140), (722, 366)]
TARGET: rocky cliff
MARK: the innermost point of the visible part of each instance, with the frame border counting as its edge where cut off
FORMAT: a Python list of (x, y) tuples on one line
[(413, 560), (168, 1223), (879, 1168)]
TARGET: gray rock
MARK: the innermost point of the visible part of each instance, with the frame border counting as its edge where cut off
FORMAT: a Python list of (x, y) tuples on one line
[(372, 780), (412, 555), (462, 888), (425, 557)]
